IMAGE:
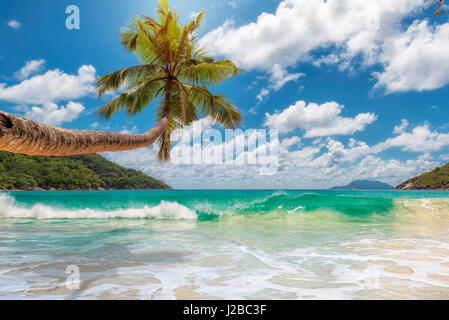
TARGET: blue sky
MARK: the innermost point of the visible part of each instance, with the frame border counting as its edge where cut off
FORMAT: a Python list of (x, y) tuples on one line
[(358, 89)]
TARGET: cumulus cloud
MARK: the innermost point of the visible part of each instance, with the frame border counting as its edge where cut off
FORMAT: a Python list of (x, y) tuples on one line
[(52, 114), (390, 170), (337, 152), (292, 32), (412, 53), (419, 139), (324, 163), (416, 60), (52, 86), (14, 24), (318, 120), (300, 166), (30, 67)]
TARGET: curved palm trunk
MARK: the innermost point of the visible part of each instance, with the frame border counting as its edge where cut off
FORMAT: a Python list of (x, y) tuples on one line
[(20, 135)]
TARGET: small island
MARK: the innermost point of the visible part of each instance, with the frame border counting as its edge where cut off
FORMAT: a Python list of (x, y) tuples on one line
[(364, 185), (437, 179), (86, 172)]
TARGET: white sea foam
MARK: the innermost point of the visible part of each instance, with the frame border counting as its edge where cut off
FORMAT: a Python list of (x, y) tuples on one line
[(165, 210)]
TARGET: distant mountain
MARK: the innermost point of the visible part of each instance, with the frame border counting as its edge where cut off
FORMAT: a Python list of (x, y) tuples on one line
[(437, 179), (86, 172), (364, 185)]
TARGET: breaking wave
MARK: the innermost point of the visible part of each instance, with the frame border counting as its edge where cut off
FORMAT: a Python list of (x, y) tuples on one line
[(209, 207), (165, 210)]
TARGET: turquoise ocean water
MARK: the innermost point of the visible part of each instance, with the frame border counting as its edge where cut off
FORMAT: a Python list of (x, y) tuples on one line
[(238, 244)]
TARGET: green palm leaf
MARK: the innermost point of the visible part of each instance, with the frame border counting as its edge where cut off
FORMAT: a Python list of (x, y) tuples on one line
[(209, 73), (115, 80), (217, 106)]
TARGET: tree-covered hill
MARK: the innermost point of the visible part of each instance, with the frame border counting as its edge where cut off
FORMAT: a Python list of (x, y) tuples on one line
[(86, 172), (437, 179)]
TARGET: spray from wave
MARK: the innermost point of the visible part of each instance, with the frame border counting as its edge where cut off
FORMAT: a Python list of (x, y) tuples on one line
[(165, 210)]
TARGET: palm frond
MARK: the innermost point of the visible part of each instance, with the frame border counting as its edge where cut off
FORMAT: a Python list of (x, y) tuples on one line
[(138, 96), (218, 107), (186, 107), (209, 73), (164, 142), (130, 33), (115, 80)]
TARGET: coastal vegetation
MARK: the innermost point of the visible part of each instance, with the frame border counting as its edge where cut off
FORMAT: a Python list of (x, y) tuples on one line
[(174, 69), (437, 179), (84, 172)]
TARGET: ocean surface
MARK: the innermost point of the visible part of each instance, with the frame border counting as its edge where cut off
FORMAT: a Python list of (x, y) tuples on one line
[(224, 245)]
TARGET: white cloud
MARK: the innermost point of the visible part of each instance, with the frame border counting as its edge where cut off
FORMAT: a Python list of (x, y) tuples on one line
[(318, 120), (280, 76), (419, 139), (252, 110), (400, 129), (52, 114), (53, 86), (14, 24), (416, 60), (94, 125), (426, 156), (134, 129), (337, 153), (299, 167), (390, 170), (262, 94), (289, 142), (412, 54), (324, 163), (30, 67), (327, 59), (292, 32)]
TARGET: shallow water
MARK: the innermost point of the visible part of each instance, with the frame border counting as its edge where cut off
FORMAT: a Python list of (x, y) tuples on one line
[(225, 244)]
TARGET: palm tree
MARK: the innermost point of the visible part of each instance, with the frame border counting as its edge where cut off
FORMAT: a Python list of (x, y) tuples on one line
[(174, 69)]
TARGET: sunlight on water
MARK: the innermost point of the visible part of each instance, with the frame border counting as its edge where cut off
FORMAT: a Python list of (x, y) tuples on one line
[(225, 244)]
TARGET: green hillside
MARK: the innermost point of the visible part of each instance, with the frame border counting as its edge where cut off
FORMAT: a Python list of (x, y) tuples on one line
[(86, 172), (437, 179)]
